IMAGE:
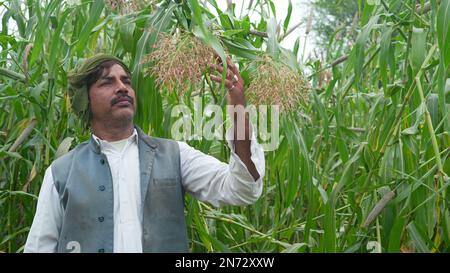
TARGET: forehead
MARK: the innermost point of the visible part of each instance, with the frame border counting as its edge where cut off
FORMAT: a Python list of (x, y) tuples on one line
[(114, 70)]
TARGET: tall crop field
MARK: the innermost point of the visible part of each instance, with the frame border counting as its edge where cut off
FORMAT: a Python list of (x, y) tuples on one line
[(363, 164)]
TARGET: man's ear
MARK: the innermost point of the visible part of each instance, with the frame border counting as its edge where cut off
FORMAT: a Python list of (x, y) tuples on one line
[(80, 100)]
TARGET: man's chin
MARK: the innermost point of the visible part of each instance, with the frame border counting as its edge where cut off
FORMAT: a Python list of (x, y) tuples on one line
[(124, 113)]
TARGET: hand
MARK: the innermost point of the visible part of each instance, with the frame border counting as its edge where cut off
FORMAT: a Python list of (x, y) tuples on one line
[(233, 81)]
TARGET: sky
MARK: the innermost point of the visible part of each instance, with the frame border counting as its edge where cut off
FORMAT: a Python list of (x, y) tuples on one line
[(300, 11)]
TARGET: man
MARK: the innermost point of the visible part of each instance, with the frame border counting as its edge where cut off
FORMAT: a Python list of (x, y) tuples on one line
[(123, 191)]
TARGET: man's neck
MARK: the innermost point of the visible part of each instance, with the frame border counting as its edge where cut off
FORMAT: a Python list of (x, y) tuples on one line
[(112, 133)]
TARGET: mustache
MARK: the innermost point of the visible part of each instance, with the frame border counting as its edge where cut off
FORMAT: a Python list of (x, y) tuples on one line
[(121, 98)]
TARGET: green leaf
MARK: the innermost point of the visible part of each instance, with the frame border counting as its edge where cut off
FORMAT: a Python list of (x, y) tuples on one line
[(433, 109), (217, 244), (443, 30), (12, 236), (272, 7), (23, 135), (20, 193), (321, 110), (94, 15), (55, 44), (225, 21), (64, 147), (155, 25), (18, 16), (346, 175), (126, 31), (231, 32), (359, 50), (418, 238), (10, 154), (295, 248), (373, 2), (395, 237), (329, 238), (413, 130), (418, 48), (288, 57), (240, 50), (273, 47), (246, 24), (206, 36), (446, 226), (288, 17), (12, 74), (296, 47), (41, 29), (5, 19), (447, 91), (366, 13), (385, 54)]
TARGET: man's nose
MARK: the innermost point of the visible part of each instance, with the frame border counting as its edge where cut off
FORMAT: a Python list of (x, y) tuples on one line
[(121, 88)]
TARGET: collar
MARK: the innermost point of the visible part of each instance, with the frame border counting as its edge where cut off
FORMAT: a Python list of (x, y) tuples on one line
[(101, 144), (138, 135)]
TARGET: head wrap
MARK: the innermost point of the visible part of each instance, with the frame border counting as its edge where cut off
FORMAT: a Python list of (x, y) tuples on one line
[(77, 79)]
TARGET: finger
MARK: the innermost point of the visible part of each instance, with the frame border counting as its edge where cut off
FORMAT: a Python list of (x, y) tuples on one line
[(229, 62), (232, 66), (228, 83), (217, 58), (219, 68), (234, 69)]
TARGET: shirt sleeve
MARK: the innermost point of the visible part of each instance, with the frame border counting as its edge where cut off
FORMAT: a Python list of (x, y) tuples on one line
[(208, 179), (44, 232)]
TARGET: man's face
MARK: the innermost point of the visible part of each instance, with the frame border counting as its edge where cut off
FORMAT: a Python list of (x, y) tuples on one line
[(111, 96)]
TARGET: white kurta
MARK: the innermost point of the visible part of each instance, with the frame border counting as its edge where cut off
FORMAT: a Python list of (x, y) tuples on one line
[(203, 176)]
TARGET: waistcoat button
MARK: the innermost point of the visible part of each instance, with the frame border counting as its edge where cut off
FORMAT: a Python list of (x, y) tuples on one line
[(101, 188), (102, 161), (101, 219), (101, 250)]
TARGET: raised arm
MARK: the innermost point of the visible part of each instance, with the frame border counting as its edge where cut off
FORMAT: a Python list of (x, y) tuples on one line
[(236, 97)]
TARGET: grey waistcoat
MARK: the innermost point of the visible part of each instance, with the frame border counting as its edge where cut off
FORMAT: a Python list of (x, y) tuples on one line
[(83, 180)]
